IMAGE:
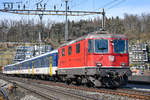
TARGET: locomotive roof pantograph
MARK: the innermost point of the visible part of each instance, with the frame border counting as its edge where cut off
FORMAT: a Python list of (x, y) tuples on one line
[(94, 35)]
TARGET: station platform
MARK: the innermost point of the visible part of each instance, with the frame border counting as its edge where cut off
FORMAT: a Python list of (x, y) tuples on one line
[(139, 79)]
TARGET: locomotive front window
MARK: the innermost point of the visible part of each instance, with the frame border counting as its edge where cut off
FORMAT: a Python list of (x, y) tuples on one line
[(101, 46), (119, 46)]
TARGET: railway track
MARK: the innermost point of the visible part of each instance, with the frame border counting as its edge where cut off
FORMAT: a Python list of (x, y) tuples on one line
[(47, 92), (52, 93), (136, 94), (121, 92), (39, 91)]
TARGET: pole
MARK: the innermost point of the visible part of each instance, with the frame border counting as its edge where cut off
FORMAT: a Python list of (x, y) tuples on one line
[(66, 25), (103, 20), (41, 16)]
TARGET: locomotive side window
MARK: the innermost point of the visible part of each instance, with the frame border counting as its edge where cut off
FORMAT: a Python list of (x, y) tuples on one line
[(101, 46), (70, 50), (63, 51), (90, 46), (78, 48)]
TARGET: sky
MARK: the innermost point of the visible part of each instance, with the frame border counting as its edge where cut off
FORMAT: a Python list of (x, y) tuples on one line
[(113, 8)]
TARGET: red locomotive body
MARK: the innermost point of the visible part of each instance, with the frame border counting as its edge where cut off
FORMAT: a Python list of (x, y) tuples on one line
[(95, 59)]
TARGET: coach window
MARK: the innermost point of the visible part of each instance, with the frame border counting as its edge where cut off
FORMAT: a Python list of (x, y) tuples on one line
[(43, 62), (78, 48), (90, 46), (70, 50), (39, 63), (63, 51)]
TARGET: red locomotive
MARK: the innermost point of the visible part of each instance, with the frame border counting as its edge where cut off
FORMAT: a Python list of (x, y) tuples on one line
[(98, 60)]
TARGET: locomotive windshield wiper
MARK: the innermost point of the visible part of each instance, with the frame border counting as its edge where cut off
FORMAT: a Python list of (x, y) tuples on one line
[(103, 48)]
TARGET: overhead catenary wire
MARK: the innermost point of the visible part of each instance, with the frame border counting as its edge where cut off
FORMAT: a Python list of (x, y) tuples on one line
[(105, 5), (79, 3), (111, 4), (39, 1), (116, 4)]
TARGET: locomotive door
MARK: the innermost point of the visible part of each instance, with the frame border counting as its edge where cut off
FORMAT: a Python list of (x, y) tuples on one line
[(85, 53), (80, 54)]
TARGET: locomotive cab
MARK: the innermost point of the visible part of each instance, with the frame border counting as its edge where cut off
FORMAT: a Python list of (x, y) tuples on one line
[(110, 58)]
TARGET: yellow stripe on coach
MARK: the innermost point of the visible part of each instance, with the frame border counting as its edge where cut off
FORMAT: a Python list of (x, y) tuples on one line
[(50, 66), (32, 68)]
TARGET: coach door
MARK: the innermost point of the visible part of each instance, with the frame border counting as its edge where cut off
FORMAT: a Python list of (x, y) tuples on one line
[(19, 68), (28, 64)]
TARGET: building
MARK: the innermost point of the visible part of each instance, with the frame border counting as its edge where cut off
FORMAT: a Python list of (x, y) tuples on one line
[(26, 52), (138, 55)]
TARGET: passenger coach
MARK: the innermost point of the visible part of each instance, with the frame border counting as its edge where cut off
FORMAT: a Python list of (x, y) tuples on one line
[(44, 65)]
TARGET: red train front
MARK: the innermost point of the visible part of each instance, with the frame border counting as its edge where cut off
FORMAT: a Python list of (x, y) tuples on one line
[(99, 60)]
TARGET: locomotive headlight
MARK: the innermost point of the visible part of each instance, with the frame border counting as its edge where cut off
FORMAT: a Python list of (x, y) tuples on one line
[(112, 58), (123, 64), (98, 64)]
